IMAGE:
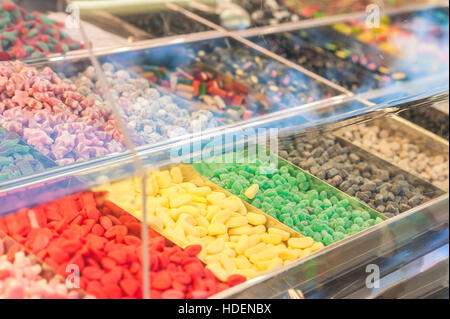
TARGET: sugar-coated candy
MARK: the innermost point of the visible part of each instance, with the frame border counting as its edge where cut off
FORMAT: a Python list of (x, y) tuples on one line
[(22, 277), (31, 34), (384, 189), (287, 195), (51, 116), (228, 238)]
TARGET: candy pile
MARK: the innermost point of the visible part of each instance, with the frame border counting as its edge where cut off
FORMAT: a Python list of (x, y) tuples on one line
[(51, 116), (104, 242), (151, 115), (409, 153), (24, 34), (384, 69), (21, 277), (287, 194), (269, 80), (219, 94), (164, 23), (189, 210), (317, 9), (316, 59), (385, 190), (268, 12), (430, 119), (420, 41), (17, 159)]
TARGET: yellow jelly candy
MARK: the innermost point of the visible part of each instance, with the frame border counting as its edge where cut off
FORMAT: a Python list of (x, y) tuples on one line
[(300, 243), (215, 229), (251, 191), (236, 222), (284, 234), (256, 219)]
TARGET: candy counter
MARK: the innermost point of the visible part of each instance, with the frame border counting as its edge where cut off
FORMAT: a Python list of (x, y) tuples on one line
[(117, 159)]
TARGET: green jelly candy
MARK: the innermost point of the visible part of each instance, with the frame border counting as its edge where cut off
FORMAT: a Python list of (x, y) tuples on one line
[(365, 216), (317, 203), (365, 224), (330, 211), (287, 210), (270, 193), (323, 195), (304, 203), (288, 221), (284, 170), (340, 229), (266, 207), (355, 228), (378, 220), (338, 235), (318, 225), (299, 227), (317, 237), (334, 200), (301, 178), (257, 203), (327, 203), (358, 221), (281, 190), (313, 194), (317, 210), (356, 213), (307, 231), (322, 217), (304, 186), (291, 181), (343, 203)]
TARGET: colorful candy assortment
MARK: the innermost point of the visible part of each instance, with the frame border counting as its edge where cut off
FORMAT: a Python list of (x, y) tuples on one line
[(151, 115), (421, 39), (234, 240), (278, 86), (21, 277), (288, 194), (104, 242), (212, 91), (51, 116), (317, 9), (384, 189), (18, 159), (298, 47), (24, 34)]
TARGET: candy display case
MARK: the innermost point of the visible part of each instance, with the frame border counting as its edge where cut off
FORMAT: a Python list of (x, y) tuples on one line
[(183, 159)]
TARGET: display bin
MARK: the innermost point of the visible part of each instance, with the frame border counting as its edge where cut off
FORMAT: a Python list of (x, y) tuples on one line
[(291, 103)]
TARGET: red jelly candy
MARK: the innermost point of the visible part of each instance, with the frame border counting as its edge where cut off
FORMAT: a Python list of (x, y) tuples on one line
[(162, 281), (193, 250), (106, 222), (129, 286), (234, 280), (92, 273)]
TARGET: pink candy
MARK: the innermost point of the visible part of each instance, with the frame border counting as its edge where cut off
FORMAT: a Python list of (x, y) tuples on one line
[(50, 115), (22, 278)]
